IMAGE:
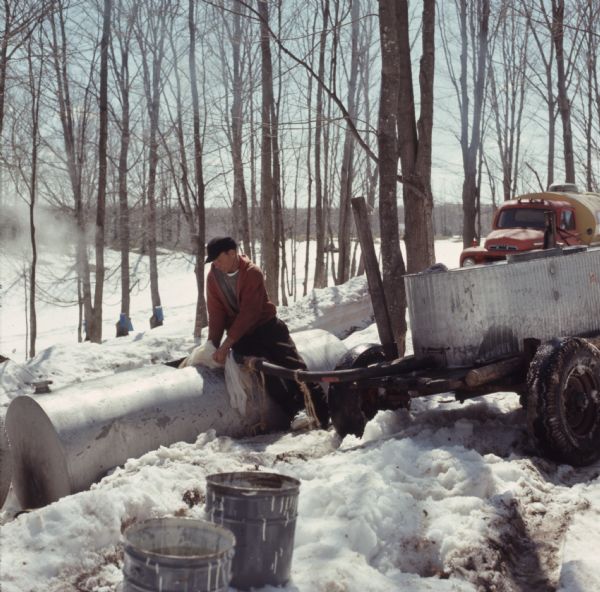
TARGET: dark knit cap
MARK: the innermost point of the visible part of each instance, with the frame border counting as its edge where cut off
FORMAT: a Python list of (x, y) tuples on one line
[(218, 245)]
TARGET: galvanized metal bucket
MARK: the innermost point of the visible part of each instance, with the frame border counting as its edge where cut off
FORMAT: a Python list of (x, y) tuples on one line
[(177, 555), (260, 509)]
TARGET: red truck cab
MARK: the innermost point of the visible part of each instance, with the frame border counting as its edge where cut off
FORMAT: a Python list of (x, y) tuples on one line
[(519, 225)]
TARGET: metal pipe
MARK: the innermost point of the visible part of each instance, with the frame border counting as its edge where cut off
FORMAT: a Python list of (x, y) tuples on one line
[(64, 441), (401, 366)]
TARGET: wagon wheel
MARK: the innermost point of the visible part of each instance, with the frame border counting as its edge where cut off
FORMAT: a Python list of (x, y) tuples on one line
[(350, 408), (563, 407)]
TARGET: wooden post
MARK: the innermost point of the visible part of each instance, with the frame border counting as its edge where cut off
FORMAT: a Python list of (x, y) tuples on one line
[(382, 315)]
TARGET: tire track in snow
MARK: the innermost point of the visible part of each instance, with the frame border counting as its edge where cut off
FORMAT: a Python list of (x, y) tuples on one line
[(527, 522)]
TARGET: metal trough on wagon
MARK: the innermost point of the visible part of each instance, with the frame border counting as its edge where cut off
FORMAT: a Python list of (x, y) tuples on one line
[(530, 324)]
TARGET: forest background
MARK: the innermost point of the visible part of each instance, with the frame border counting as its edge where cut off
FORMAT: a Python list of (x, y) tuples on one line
[(140, 126)]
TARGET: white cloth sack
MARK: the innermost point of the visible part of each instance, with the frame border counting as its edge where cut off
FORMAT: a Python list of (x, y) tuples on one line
[(238, 380), (202, 355), (239, 383)]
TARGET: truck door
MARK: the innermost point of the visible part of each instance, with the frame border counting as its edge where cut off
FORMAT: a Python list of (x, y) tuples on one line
[(566, 227)]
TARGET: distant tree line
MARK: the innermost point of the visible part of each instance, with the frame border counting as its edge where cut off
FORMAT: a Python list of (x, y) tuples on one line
[(143, 119), (173, 233)]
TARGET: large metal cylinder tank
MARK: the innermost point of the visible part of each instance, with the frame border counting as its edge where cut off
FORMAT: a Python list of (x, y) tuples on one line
[(478, 314), (5, 463), (64, 441)]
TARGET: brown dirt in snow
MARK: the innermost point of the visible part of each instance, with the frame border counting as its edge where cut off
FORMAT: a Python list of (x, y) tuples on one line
[(522, 552)]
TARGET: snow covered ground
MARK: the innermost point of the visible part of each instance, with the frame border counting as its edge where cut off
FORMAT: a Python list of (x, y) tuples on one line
[(446, 496)]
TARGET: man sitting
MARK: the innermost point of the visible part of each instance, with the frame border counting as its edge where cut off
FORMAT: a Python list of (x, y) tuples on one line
[(238, 303)]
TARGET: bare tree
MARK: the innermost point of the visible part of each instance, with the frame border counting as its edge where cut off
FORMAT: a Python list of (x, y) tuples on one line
[(543, 84), (331, 138), (589, 116), (371, 172), (387, 135), (95, 326), (241, 222), (309, 169), (35, 90), (508, 87), (415, 138), (122, 33), (269, 247), (150, 30), (278, 230), (320, 279), (20, 18), (201, 314), (473, 26), (347, 168), (564, 105), (75, 135)]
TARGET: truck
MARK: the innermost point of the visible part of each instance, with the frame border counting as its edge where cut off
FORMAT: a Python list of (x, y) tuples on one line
[(563, 215)]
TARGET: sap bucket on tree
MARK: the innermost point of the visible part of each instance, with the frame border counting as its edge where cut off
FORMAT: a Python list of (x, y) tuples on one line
[(177, 555), (260, 509)]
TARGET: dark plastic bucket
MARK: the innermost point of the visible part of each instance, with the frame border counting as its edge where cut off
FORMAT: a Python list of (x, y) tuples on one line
[(260, 509), (177, 555)]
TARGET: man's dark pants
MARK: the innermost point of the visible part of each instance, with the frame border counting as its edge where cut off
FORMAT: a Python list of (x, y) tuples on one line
[(272, 341)]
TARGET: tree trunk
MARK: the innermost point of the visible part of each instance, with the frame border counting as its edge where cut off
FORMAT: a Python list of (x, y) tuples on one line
[(278, 226), (35, 90), (256, 225), (179, 167), (372, 170), (309, 186), (564, 106), (320, 279), (547, 92), (278, 205), (240, 199), (122, 71), (309, 170), (266, 157), (592, 64), (95, 330), (6, 34), (470, 142), (387, 140), (74, 156), (347, 170), (201, 319), (151, 38), (415, 138)]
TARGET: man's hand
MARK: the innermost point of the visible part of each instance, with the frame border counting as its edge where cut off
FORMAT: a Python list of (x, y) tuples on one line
[(221, 354)]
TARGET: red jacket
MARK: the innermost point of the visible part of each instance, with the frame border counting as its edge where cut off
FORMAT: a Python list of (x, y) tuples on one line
[(255, 306)]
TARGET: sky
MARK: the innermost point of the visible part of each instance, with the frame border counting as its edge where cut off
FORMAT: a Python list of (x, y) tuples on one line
[(442, 497)]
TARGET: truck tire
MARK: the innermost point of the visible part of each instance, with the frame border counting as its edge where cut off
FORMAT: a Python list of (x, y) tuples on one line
[(563, 406), (351, 410)]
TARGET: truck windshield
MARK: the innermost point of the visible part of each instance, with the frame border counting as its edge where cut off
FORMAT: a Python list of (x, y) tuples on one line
[(521, 218)]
